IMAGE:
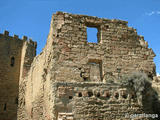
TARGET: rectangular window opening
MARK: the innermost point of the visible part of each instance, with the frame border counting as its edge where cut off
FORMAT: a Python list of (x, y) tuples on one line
[(5, 107), (92, 35)]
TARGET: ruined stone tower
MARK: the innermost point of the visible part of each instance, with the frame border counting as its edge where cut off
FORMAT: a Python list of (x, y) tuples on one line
[(13, 53), (70, 78)]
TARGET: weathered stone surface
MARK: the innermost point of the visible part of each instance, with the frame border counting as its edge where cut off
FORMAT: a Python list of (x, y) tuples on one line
[(69, 77), (156, 84), (15, 54), (72, 78)]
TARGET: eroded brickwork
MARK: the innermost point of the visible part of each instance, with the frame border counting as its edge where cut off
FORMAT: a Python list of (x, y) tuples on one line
[(70, 78), (11, 60), (94, 101), (120, 49)]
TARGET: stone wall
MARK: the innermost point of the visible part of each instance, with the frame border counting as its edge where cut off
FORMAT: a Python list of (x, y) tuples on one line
[(10, 60), (94, 101), (71, 64), (156, 85), (119, 50), (28, 54)]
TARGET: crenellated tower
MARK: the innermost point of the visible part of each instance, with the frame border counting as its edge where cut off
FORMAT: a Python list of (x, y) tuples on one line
[(15, 53)]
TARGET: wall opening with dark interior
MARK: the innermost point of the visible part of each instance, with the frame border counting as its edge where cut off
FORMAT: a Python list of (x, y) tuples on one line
[(12, 61), (98, 94), (70, 97), (5, 107), (79, 94), (90, 94), (16, 100)]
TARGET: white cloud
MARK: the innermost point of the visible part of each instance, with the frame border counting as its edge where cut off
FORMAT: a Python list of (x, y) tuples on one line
[(153, 13), (158, 12), (158, 74)]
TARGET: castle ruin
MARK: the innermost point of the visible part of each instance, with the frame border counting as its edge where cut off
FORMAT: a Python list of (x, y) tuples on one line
[(70, 78)]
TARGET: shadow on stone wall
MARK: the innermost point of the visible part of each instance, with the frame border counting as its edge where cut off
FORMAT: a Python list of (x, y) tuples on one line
[(151, 103), (140, 85)]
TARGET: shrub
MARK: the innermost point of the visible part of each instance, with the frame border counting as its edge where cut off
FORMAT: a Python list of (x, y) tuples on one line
[(136, 82)]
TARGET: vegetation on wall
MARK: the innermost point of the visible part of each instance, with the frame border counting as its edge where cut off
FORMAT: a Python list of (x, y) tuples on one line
[(138, 83), (141, 85)]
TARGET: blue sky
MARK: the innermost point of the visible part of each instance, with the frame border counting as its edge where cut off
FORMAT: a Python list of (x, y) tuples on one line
[(32, 17)]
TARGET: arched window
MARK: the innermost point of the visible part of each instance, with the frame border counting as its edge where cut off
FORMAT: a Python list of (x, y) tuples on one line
[(90, 94), (12, 61), (79, 94)]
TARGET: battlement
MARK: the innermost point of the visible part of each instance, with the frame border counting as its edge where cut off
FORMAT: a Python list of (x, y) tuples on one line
[(16, 57), (16, 37)]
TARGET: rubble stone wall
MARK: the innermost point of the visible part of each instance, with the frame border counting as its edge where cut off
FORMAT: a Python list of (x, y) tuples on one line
[(28, 54), (156, 85), (94, 101), (69, 58), (119, 50)]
